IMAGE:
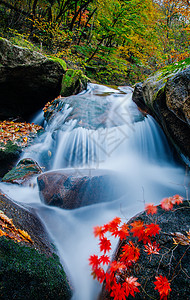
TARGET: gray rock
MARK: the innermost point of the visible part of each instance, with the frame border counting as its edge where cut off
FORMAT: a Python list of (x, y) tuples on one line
[(166, 94), (27, 80)]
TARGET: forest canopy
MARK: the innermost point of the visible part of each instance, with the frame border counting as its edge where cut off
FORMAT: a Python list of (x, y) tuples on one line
[(112, 40)]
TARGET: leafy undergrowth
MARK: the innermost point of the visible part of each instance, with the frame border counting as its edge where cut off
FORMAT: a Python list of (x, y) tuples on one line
[(20, 134), (118, 279)]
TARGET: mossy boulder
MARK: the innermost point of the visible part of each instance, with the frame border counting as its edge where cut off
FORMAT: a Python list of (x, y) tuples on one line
[(74, 82), (29, 270), (27, 274), (27, 80), (23, 172), (9, 154), (166, 95), (172, 260)]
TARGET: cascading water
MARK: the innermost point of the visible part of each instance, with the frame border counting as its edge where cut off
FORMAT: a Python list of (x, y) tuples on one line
[(109, 132)]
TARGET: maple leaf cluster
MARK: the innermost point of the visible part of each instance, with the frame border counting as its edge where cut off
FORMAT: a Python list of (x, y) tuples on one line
[(9, 230), (19, 133), (118, 278)]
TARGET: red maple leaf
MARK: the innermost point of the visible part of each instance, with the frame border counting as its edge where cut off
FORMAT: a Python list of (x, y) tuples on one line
[(105, 245), (118, 291), (152, 229), (123, 232), (152, 248), (114, 224), (116, 266), (166, 203), (176, 199), (130, 253), (151, 209), (99, 274), (99, 231), (94, 261), (131, 286), (163, 286), (104, 259), (138, 229)]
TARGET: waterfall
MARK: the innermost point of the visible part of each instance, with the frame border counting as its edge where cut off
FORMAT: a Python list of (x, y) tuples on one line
[(107, 132)]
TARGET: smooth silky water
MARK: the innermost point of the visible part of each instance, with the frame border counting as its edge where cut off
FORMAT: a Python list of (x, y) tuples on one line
[(124, 141)]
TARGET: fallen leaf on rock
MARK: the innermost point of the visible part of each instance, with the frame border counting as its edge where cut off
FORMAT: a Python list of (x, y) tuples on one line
[(9, 230)]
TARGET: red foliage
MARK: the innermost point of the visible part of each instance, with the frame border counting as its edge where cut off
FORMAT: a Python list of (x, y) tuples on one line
[(152, 248), (117, 279), (167, 203), (163, 286), (138, 229), (151, 209), (131, 286), (105, 245), (130, 253), (94, 261)]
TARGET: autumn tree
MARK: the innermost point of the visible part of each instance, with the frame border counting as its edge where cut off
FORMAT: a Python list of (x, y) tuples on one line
[(173, 23)]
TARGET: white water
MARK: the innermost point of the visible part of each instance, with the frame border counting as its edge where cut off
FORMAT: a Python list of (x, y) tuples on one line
[(133, 146)]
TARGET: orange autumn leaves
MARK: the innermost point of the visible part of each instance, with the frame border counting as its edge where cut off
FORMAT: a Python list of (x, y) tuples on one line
[(9, 230), (18, 133), (118, 278)]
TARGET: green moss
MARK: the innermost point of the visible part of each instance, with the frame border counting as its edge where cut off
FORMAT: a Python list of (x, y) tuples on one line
[(60, 61), (26, 167), (27, 274), (73, 82), (9, 151)]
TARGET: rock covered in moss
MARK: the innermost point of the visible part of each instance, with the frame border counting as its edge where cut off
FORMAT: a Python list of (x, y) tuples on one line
[(27, 274), (29, 270), (74, 82), (9, 154), (166, 94), (27, 80), (23, 172)]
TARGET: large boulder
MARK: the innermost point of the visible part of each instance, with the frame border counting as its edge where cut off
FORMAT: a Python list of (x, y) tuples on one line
[(172, 260), (27, 80), (166, 94), (29, 266), (72, 188)]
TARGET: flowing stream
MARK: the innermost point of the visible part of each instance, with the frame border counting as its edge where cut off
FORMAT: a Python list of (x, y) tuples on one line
[(107, 132)]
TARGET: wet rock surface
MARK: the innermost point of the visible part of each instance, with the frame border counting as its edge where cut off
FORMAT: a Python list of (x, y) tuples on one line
[(72, 188), (172, 261), (166, 95)]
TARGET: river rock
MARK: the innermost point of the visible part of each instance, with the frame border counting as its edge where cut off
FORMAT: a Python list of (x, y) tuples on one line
[(166, 94), (172, 260), (27, 80), (72, 188), (23, 172), (28, 270)]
